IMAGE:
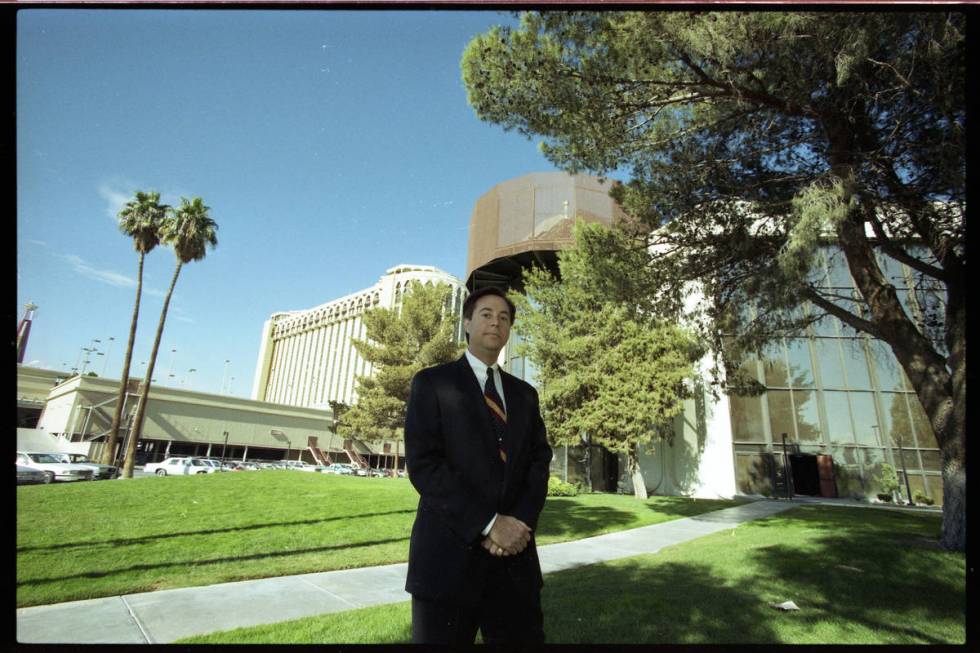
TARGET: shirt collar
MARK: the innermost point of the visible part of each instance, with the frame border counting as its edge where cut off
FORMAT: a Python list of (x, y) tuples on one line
[(479, 367)]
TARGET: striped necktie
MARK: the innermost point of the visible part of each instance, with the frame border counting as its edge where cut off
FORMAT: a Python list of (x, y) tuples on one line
[(497, 414)]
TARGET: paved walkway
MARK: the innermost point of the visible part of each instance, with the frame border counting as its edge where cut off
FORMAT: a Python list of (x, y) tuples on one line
[(167, 615)]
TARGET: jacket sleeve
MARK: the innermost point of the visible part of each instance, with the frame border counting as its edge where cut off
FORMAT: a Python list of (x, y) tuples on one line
[(535, 489), (440, 485)]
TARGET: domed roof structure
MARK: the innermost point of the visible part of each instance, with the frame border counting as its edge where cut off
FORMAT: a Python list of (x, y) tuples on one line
[(526, 220)]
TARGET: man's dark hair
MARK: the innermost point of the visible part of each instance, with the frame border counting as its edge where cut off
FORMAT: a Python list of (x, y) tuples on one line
[(470, 302)]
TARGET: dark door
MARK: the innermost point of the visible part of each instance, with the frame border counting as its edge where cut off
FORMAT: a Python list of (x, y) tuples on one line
[(806, 476)]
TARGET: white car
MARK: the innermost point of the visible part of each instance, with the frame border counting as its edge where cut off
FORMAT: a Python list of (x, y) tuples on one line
[(51, 462), (179, 467), (302, 466), (99, 471), (27, 475)]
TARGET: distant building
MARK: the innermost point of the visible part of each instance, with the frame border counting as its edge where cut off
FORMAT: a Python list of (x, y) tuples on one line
[(307, 357), (77, 412)]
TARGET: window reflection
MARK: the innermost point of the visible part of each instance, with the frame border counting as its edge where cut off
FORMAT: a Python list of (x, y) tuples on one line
[(747, 422), (896, 418), (807, 420), (831, 370), (891, 268), (840, 275), (890, 375), (866, 427), (931, 460), (838, 417), (800, 369), (781, 418), (774, 365), (925, 436), (856, 364)]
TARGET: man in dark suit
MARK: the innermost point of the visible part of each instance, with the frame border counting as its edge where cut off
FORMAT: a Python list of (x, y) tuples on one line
[(476, 452)]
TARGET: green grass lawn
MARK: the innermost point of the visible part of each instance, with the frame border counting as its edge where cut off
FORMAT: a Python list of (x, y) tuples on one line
[(859, 576), (87, 540)]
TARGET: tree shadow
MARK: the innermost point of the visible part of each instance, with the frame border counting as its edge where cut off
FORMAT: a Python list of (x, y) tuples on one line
[(688, 507), (881, 578), (888, 574), (674, 603), (197, 563), (148, 539), (566, 517)]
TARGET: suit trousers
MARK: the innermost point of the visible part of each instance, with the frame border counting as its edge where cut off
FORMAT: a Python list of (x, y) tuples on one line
[(507, 613)]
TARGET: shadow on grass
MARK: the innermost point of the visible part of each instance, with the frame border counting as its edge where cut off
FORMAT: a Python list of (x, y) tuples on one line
[(643, 603), (147, 539), (564, 516), (196, 563), (687, 507), (888, 574), (857, 578)]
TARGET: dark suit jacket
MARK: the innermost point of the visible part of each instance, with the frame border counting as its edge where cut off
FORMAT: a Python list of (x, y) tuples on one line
[(452, 459)]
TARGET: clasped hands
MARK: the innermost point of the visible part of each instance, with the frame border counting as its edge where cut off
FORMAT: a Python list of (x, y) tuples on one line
[(508, 536)]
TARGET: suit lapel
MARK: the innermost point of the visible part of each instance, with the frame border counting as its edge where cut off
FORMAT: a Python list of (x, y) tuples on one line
[(474, 404)]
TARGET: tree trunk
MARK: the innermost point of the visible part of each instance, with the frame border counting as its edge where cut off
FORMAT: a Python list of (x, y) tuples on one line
[(953, 440), (109, 452), (941, 393), (396, 458), (137, 429), (636, 474)]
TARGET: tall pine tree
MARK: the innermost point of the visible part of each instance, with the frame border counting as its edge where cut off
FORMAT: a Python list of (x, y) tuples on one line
[(610, 368), (400, 342)]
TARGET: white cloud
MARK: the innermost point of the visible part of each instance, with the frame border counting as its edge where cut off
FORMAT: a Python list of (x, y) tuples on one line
[(115, 196), (104, 276), (110, 277)]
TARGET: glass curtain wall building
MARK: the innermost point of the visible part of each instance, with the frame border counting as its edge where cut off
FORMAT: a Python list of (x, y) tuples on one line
[(842, 394)]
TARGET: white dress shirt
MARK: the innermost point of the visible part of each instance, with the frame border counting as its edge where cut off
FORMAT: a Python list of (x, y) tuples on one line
[(480, 370)]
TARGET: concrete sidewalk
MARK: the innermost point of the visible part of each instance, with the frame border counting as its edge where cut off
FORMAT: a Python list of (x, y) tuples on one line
[(167, 615)]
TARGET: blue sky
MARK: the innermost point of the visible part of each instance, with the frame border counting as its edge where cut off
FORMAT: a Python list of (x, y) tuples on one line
[(330, 146)]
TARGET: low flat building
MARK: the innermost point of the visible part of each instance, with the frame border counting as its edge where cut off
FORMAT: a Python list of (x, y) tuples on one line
[(182, 422)]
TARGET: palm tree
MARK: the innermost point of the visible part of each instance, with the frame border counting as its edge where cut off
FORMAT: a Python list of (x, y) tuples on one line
[(190, 230), (140, 219)]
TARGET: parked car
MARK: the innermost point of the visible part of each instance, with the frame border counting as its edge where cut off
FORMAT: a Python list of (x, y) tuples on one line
[(99, 471), (214, 463), (27, 475), (179, 467), (378, 473), (51, 462), (360, 471), (339, 468), (302, 466), (248, 466)]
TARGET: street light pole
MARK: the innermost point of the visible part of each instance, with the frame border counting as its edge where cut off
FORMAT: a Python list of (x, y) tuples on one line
[(107, 350), (901, 456)]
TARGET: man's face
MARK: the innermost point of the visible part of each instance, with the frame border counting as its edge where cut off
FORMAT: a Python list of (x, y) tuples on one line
[(489, 327)]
